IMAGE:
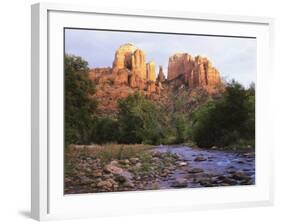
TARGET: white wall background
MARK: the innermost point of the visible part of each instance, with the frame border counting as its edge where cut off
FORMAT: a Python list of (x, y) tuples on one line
[(15, 110)]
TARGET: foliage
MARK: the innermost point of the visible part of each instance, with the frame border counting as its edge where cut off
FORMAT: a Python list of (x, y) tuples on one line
[(181, 125), (191, 116), (106, 130), (107, 152), (79, 109), (139, 120), (226, 120)]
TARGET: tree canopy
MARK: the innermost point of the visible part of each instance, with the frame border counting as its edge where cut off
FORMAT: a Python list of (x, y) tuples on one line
[(227, 120), (193, 116), (79, 108)]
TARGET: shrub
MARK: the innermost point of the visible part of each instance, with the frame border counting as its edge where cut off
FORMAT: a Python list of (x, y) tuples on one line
[(78, 107), (227, 120), (139, 120)]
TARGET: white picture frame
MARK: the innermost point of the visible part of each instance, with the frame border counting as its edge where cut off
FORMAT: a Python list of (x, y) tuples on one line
[(48, 201)]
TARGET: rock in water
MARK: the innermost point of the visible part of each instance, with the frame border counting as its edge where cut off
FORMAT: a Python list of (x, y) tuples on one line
[(240, 176), (180, 183), (200, 159), (196, 170), (182, 163)]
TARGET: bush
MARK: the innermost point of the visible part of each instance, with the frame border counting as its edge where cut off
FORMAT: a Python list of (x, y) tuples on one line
[(227, 120), (139, 120), (79, 109), (106, 130), (181, 126)]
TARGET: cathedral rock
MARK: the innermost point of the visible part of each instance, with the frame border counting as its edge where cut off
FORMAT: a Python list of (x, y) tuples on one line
[(193, 72), (131, 72), (130, 67)]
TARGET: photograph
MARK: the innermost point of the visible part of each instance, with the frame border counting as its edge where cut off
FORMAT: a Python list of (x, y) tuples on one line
[(157, 111)]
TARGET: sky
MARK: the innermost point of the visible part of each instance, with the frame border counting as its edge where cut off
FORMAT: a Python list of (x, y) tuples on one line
[(234, 57)]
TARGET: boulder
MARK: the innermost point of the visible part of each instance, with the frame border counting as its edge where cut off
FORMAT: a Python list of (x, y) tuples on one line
[(206, 182), (196, 170), (180, 183), (112, 168), (200, 159), (85, 180), (105, 184), (134, 160), (239, 175), (182, 163)]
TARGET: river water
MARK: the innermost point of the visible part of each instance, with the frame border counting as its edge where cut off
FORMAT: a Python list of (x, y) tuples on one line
[(200, 167)]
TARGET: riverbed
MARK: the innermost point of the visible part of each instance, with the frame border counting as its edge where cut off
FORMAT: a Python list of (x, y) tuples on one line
[(209, 167)]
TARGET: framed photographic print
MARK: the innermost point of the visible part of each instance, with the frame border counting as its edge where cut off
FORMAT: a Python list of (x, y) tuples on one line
[(148, 111)]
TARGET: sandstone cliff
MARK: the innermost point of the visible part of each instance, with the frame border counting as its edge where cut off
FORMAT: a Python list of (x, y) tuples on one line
[(130, 72), (193, 72), (123, 57), (151, 71)]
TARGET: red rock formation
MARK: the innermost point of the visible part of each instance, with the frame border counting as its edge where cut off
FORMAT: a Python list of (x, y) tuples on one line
[(122, 77), (161, 76), (179, 64), (138, 64), (129, 64), (136, 82), (123, 57), (131, 73), (98, 72), (198, 72), (151, 87), (151, 71), (101, 75)]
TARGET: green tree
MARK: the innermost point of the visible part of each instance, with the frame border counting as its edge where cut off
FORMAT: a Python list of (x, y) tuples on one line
[(106, 130), (181, 126), (250, 122), (79, 108), (226, 121), (139, 120)]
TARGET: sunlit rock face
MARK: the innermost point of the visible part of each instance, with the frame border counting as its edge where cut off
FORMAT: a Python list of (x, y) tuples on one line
[(151, 71), (131, 62), (123, 57), (130, 72), (180, 64), (139, 64), (122, 77), (193, 72)]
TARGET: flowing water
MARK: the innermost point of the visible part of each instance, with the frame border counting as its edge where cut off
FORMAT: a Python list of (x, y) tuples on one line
[(220, 168)]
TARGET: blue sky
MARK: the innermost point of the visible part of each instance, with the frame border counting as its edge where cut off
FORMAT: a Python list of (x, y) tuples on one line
[(235, 58)]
